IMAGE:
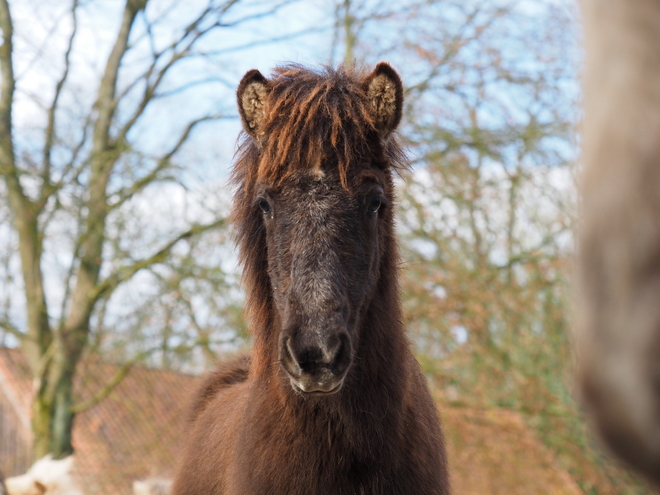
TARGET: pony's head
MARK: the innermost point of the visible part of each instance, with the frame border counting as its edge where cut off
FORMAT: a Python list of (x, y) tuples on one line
[(313, 210)]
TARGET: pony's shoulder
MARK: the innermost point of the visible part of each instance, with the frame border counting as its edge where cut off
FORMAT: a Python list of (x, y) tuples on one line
[(227, 373)]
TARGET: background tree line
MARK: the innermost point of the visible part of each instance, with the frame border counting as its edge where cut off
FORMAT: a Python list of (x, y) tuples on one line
[(117, 130)]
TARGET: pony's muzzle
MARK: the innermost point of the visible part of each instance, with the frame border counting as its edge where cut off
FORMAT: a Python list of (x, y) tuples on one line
[(316, 365)]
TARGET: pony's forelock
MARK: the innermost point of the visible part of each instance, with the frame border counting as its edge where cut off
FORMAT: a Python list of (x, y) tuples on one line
[(315, 119)]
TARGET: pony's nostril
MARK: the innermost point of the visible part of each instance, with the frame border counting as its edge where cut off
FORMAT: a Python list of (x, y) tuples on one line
[(342, 357), (288, 358)]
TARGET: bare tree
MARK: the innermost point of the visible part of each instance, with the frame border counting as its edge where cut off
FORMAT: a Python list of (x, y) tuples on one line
[(86, 167)]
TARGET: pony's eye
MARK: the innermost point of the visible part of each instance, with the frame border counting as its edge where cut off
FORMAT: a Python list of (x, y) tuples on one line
[(374, 205), (264, 205)]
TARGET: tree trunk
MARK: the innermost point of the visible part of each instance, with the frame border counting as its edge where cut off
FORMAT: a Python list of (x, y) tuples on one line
[(53, 416), (63, 416)]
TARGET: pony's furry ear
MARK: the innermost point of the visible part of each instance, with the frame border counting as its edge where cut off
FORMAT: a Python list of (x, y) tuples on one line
[(385, 92), (251, 95)]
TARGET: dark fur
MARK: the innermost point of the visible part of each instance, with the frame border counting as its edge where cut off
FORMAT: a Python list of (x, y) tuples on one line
[(252, 433)]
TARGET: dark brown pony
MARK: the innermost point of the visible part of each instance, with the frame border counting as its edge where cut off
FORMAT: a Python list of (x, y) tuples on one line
[(331, 400)]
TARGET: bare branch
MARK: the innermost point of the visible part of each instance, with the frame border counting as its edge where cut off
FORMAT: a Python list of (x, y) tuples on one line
[(47, 189), (7, 326), (70, 272), (40, 368), (39, 52), (162, 163), (106, 390), (182, 49), (192, 84), (105, 103), (179, 51), (70, 167), (148, 95), (454, 45), (105, 288), (228, 5), (203, 339), (110, 386), (7, 159), (254, 44), (69, 175), (258, 15)]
